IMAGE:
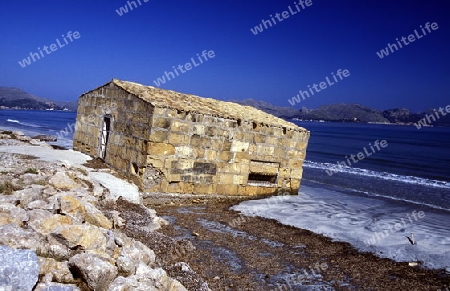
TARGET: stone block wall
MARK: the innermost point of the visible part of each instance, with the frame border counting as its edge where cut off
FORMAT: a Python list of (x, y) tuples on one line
[(204, 154), (130, 127)]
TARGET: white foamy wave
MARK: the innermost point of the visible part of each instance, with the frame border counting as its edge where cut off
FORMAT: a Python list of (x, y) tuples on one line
[(22, 123), (365, 222), (381, 175)]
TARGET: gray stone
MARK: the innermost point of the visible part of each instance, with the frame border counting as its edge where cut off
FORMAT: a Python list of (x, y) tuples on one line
[(29, 194), (138, 252), (126, 265), (55, 271), (43, 137), (145, 279), (96, 272), (9, 199), (56, 249), (55, 287), (18, 268), (37, 217), (19, 238), (117, 220), (39, 204), (12, 214), (4, 136), (36, 142), (23, 138)]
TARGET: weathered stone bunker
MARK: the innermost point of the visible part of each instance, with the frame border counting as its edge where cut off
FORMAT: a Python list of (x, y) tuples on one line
[(178, 143)]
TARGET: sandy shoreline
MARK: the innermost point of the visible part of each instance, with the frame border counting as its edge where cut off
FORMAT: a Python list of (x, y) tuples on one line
[(206, 244)]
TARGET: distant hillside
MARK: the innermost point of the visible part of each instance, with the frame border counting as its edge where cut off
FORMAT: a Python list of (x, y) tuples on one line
[(15, 98), (343, 112), (348, 113)]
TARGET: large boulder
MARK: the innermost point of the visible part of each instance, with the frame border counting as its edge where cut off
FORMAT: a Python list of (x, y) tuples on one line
[(19, 238), (96, 272), (83, 211), (63, 182), (145, 279), (19, 269), (87, 237), (133, 254), (96, 217), (29, 194), (46, 225), (55, 271), (9, 213)]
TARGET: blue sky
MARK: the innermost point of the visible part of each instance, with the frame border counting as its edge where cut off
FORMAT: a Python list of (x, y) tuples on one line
[(273, 65)]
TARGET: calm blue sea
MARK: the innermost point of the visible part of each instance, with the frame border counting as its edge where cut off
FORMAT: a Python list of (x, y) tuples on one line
[(414, 167), (357, 202), (31, 122)]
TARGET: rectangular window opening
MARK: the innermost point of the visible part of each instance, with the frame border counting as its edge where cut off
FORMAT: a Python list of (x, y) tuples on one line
[(262, 178)]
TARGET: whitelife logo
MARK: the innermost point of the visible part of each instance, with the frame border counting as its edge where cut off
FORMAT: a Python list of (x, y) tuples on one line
[(285, 15), (411, 38), (358, 157), (184, 68), (323, 85), (394, 227), (429, 118), (123, 10), (51, 48)]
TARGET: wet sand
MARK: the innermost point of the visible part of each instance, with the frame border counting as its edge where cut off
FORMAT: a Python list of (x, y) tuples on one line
[(235, 252)]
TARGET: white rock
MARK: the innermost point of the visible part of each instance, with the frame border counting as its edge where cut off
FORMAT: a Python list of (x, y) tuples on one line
[(117, 187), (28, 195), (137, 253), (55, 287), (61, 181), (19, 238), (36, 142), (97, 273), (145, 279), (39, 204)]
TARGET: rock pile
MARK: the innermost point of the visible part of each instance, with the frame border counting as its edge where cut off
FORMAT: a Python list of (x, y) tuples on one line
[(54, 237), (9, 137)]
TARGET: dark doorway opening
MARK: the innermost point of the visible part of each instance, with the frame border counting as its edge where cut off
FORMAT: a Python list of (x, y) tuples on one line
[(106, 128)]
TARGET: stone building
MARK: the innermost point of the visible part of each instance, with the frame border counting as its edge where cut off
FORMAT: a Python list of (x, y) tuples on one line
[(171, 142)]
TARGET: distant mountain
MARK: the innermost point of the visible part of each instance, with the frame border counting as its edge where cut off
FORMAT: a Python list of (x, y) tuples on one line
[(343, 112), (349, 113), (15, 98)]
